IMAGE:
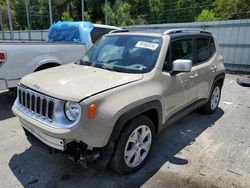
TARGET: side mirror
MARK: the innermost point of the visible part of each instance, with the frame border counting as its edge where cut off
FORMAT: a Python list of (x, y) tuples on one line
[(182, 65)]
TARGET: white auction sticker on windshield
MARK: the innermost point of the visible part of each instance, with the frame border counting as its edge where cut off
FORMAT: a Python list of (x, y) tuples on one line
[(147, 45)]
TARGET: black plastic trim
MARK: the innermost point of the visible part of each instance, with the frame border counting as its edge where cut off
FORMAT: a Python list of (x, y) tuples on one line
[(218, 77), (153, 105), (184, 112)]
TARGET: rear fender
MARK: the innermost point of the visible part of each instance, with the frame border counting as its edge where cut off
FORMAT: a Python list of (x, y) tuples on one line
[(38, 62)]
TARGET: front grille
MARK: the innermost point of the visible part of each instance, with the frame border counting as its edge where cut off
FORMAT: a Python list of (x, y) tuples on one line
[(36, 103)]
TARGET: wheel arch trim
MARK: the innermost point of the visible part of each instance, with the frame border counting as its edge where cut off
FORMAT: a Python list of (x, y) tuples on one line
[(152, 105), (216, 79)]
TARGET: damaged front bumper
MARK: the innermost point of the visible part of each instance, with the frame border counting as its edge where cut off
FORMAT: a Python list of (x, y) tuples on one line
[(48, 140)]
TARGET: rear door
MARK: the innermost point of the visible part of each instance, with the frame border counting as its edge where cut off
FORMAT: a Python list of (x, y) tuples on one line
[(204, 64)]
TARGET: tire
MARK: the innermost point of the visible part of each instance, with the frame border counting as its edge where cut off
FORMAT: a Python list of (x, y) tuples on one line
[(214, 100), (47, 66), (13, 92), (130, 141)]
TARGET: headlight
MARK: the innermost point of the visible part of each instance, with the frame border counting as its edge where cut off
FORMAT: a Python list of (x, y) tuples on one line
[(72, 110)]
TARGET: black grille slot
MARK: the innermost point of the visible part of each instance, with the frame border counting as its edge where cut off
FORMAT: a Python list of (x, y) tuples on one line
[(44, 107), (33, 100), (28, 101), (38, 105), (51, 110), (20, 96), (24, 99)]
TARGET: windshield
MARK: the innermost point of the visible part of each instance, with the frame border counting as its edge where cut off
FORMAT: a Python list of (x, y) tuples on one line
[(124, 53)]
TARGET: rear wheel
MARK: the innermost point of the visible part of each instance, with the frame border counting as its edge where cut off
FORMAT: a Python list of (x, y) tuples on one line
[(47, 66), (214, 100), (12, 92), (134, 145)]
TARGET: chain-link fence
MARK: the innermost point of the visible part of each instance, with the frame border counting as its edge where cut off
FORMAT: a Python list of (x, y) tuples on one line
[(38, 15), (233, 37), (29, 19), (33, 35)]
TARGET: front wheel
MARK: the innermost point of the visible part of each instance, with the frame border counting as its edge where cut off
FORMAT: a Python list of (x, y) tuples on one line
[(134, 145), (214, 100)]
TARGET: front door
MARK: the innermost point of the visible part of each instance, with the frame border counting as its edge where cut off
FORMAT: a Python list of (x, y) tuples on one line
[(180, 89)]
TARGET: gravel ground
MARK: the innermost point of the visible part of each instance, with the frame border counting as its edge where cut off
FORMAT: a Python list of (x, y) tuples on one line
[(198, 151)]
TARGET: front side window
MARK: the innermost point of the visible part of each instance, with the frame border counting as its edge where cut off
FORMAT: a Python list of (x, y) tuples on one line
[(179, 49), (124, 53)]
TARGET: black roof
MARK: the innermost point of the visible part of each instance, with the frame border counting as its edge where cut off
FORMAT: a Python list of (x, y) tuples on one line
[(188, 35)]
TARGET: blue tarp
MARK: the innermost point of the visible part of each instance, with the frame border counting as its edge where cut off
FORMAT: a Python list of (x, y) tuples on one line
[(71, 32)]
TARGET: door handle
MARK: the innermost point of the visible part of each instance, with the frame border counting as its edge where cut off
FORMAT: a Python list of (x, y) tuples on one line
[(194, 76), (213, 67)]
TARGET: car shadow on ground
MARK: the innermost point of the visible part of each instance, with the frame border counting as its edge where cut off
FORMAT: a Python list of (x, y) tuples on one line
[(6, 103), (36, 168)]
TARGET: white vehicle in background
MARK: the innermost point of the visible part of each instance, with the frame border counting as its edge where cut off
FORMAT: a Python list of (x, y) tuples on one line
[(67, 43)]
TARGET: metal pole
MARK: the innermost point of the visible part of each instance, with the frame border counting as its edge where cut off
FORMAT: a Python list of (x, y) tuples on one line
[(19, 34), (42, 35), (28, 18), (1, 23), (82, 10), (10, 20), (106, 14), (50, 13)]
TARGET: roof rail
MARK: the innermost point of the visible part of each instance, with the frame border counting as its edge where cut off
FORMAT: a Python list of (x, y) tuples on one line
[(119, 31), (172, 31)]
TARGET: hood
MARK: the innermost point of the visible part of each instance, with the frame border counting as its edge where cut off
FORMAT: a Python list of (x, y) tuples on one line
[(76, 82)]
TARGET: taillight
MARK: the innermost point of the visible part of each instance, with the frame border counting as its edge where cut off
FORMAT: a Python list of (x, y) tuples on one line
[(2, 56)]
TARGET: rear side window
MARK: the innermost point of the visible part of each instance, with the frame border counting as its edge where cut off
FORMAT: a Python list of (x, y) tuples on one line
[(203, 53), (205, 49), (98, 32)]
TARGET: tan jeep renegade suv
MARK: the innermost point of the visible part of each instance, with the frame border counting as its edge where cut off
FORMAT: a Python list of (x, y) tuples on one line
[(108, 107)]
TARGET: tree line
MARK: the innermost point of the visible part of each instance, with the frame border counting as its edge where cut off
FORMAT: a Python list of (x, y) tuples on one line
[(123, 12)]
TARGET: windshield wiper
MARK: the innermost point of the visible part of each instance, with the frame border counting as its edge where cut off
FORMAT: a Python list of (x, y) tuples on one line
[(115, 69), (78, 62), (101, 66), (86, 63), (81, 62)]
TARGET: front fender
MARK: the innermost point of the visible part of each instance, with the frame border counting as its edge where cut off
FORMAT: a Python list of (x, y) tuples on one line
[(116, 106)]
